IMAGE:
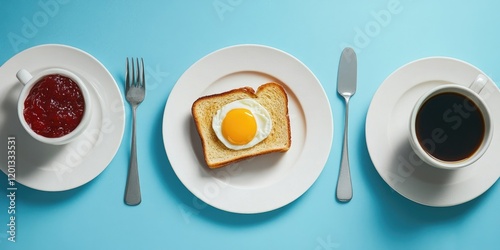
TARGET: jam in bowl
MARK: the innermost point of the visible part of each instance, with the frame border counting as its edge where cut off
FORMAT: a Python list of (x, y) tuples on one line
[(54, 105)]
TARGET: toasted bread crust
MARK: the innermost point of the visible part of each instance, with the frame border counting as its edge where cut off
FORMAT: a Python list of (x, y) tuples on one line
[(279, 140)]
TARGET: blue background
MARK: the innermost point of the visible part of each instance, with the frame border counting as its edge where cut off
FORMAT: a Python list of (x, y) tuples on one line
[(171, 36)]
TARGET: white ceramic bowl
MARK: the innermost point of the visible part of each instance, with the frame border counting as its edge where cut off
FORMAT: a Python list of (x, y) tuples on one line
[(29, 81)]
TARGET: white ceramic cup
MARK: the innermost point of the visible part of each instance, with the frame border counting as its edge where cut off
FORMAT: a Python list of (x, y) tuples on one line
[(29, 81), (473, 92)]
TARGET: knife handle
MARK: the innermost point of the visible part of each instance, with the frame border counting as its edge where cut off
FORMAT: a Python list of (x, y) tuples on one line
[(344, 185)]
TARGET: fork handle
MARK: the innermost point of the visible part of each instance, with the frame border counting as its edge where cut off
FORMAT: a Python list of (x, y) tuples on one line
[(133, 189)]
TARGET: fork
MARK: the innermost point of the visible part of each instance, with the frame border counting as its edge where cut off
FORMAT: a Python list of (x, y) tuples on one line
[(135, 91)]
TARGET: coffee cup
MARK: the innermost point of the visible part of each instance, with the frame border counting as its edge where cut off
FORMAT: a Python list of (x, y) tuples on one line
[(54, 105), (450, 125)]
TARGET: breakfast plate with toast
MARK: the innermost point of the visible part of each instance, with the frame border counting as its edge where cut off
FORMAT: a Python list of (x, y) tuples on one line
[(292, 129)]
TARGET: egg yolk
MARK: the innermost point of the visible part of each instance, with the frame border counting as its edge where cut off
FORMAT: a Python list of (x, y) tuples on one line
[(239, 126)]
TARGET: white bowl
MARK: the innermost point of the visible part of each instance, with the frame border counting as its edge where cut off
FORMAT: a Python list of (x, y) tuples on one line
[(29, 81)]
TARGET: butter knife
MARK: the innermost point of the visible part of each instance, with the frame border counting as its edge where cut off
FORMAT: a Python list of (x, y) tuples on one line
[(346, 87)]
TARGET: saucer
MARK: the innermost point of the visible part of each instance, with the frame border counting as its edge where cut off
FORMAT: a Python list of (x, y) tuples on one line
[(387, 128), (58, 168)]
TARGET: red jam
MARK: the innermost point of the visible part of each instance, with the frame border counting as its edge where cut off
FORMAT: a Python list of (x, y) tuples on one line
[(54, 107)]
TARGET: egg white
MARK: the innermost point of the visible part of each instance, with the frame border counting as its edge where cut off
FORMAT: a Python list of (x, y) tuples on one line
[(261, 115)]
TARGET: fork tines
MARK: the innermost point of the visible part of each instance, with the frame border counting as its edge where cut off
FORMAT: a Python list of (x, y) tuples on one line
[(134, 74)]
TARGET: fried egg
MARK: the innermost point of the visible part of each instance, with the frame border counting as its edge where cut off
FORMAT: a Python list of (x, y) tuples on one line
[(242, 124)]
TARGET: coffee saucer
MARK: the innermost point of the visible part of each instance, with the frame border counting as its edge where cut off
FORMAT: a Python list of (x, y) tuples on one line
[(387, 128), (58, 168)]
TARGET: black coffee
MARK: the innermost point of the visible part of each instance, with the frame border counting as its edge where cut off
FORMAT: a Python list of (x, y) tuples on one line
[(450, 127)]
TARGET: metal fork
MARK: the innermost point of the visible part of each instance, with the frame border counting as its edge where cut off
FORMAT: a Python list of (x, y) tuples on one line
[(135, 91)]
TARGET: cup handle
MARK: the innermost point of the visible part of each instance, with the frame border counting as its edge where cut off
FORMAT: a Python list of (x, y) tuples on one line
[(24, 76), (478, 84)]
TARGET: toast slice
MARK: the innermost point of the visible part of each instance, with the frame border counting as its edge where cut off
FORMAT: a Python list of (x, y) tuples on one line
[(271, 96)]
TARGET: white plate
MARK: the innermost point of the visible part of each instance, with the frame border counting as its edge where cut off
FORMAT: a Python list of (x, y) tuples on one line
[(387, 126), (58, 168), (262, 183)]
